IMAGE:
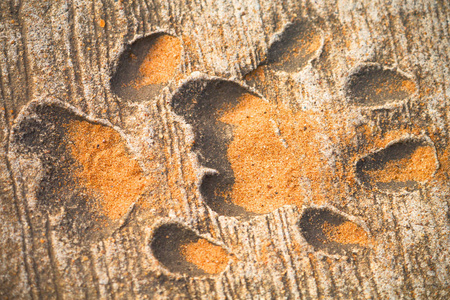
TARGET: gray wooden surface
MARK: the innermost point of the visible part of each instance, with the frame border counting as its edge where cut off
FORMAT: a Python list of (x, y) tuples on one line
[(60, 51)]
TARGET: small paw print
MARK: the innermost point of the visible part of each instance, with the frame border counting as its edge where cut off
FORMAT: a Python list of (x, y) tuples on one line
[(85, 177), (86, 174)]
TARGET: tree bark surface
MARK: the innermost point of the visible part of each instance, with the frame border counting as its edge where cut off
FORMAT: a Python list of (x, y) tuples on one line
[(357, 97)]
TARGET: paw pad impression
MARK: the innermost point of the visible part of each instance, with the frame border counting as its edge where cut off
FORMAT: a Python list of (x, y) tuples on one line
[(261, 151), (146, 66), (88, 170), (373, 85), (402, 165), (181, 250), (327, 230)]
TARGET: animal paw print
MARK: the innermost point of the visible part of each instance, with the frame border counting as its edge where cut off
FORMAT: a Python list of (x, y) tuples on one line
[(261, 152), (258, 147), (264, 150), (85, 175), (81, 174)]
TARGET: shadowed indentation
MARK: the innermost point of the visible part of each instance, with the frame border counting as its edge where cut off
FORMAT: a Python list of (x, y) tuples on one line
[(295, 47), (373, 85), (262, 152), (180, 250), (146, 66), (89, 179), (202, 103), (332, 232), (290, 51), (398, 167)]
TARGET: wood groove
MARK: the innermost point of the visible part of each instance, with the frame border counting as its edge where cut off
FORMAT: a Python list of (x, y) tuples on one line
[(109, 287), (319, 292), (354, 265), (428, 244), (117, 263), (52, 259), (190, 187), (3, 87), (129, 35), (13, 107), (279, 252), (26, 59), (406, 287), (174, 158), (140, 30), (74, 54), (31, 237), (15, 196), (92, 272), (143, 13), (175, 139), (67, 72), (155, 10), (28, 262), (107, 61), (79, 276), (371, 277), (165, 148), (284, 230), (127, 261)]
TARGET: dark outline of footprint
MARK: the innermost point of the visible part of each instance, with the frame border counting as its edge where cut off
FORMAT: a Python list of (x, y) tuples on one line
[(274, 63), (193, 103), (126, 71), (165, 241), (39, 133), (311, 225), (365, 86), (211, 136), (287, 42), (395, 150)]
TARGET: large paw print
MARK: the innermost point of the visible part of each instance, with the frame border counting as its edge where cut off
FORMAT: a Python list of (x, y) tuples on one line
[(264, 149), (263, 152)]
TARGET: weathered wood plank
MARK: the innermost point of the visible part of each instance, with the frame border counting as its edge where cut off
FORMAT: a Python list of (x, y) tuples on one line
[(370, 74)]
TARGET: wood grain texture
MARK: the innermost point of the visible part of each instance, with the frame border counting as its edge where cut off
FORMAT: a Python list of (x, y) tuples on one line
[(61, 52)]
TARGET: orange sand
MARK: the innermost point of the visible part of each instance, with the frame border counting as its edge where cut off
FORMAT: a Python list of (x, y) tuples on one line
[(391, 85), (206, 256), (161, 62), (267, 174), (346, 233), (419, 167), (106, 167), (305, 46), (257, 74), (408, 86)]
